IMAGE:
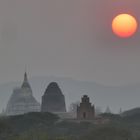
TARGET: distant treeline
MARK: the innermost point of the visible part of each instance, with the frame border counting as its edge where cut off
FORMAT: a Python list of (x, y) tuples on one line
[(47, 126)]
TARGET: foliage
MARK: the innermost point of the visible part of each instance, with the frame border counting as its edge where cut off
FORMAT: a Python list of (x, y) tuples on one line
[(47, 126), (73, 106), (109, 133)]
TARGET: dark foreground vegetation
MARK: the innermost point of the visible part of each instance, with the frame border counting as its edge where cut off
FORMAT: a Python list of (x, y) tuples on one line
[(47, 126)]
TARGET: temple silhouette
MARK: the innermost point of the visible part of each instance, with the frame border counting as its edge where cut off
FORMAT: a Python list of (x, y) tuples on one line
[(53, 100)]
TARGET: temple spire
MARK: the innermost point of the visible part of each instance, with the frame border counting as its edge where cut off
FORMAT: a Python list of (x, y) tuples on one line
[(25, 83), (25, 77)]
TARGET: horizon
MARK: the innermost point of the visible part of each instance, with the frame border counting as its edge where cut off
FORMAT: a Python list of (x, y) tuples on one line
[(39, 84)]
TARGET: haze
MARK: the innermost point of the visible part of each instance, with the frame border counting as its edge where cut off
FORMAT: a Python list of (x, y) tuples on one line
[(67, 38)]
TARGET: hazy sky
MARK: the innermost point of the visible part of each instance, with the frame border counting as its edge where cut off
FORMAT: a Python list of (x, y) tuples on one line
[(67, 38)]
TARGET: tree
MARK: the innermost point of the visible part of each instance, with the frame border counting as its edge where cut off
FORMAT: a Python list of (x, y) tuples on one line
[(73, 107)]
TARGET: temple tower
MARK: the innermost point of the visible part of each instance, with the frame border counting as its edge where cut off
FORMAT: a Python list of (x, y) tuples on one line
[(85, 111), (53, 99)]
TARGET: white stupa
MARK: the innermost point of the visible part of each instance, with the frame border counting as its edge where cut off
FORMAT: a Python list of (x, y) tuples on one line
[(22, 100)]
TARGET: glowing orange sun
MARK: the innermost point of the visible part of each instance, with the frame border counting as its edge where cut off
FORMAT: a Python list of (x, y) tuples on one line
[(124, 25)]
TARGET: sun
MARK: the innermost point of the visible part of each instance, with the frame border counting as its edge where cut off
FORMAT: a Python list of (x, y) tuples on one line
[(124, 25)]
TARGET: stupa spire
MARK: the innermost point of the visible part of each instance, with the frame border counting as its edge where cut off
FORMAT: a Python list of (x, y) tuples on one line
[(25, 77), (25, 83)]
